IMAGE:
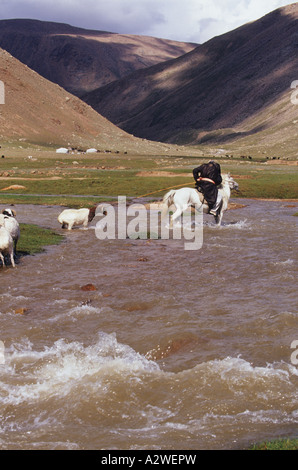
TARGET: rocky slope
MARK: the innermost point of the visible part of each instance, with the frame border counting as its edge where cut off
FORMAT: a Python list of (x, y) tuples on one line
[(235, 87), (81, 60), (39, 111)]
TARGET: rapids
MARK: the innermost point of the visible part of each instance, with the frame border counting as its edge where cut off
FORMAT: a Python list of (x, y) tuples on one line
[(174, 349)]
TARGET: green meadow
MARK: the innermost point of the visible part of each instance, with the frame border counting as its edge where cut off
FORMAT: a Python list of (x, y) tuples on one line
[(40, 176)]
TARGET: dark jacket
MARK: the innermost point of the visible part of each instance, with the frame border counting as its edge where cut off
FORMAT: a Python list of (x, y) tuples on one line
[(209, 170), (212, 171)]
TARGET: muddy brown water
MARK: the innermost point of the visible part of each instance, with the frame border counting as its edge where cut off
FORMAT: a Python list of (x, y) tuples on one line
[(173, 349)]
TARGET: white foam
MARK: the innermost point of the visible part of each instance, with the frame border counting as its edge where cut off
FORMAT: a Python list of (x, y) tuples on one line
[(240, 225), (75, 312), (237, 369), (288, 262), (84, 309), (13, 297), (57, 369), (59, 301)]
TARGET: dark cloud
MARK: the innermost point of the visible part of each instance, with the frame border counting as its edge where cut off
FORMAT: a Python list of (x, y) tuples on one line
[(191, 20)]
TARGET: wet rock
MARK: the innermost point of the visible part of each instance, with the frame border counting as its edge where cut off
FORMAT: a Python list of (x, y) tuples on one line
[(21, 311), (234, 205), (88, 287)]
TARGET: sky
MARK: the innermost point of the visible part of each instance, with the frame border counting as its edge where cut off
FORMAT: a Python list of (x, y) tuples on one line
[(180, 20)]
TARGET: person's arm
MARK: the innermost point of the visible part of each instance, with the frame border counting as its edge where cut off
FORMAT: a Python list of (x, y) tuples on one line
[(196, 172), (218, 179)]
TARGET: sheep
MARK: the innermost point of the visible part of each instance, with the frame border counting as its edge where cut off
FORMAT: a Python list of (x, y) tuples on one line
[(12, 225), (70, 217), (6, 243)]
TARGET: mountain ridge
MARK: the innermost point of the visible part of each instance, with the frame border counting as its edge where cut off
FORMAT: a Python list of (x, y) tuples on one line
[(40, 112), (224, 83), (79, 59)]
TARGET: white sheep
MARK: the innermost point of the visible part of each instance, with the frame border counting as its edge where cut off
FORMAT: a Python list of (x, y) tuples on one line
[(70, 217), (12, 225), (6, 243)]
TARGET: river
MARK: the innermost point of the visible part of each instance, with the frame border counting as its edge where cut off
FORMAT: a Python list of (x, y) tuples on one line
[(172, 349)]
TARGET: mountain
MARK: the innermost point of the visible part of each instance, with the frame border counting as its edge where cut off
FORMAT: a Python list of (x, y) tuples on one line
[(82, 60), (42, 112), (235, 86)]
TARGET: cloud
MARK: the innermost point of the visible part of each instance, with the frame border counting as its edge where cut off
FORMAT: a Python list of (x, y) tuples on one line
[(200, 20), (191, 20), (125, 16)]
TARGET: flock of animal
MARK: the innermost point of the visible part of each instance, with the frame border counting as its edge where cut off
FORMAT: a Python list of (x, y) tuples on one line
[(182, 198), (10, 228)]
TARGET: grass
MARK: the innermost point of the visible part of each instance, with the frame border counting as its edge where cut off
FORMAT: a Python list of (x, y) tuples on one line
[(33, 239), (82, 180), (69, 201), (277, 444), (270, 185)]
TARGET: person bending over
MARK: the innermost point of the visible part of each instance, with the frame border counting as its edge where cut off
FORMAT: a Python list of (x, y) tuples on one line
[(207, 177)]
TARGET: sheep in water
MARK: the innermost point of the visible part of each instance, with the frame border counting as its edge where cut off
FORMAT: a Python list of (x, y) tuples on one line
[(11, 224), (6, 243), (71, 217)]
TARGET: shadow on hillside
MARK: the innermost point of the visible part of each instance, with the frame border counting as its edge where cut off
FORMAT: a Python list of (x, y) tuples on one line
[(222, 137), (219, 85)]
